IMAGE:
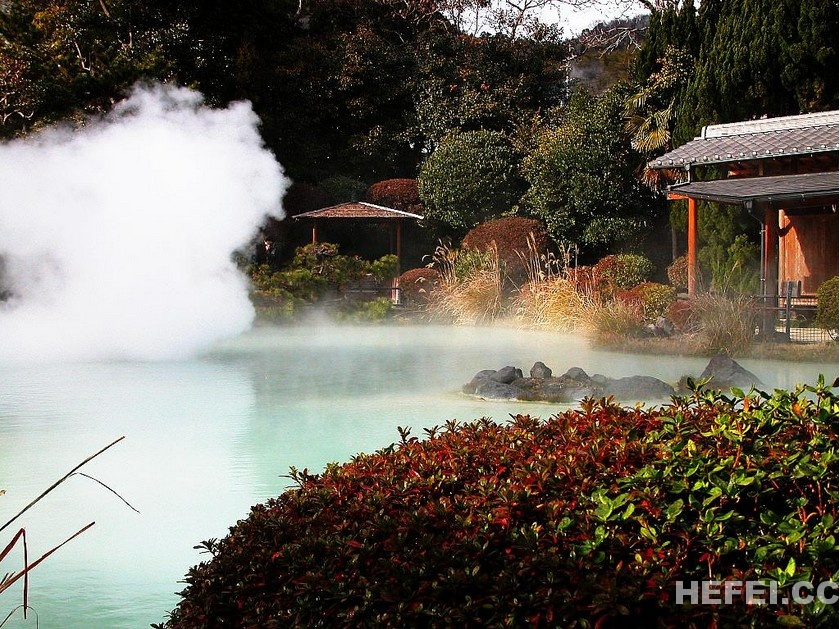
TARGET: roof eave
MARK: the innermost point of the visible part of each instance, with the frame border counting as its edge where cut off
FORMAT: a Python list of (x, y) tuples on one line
[(686, 164)]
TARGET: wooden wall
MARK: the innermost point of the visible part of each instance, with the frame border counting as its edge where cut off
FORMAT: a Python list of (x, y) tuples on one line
[(808, 249)]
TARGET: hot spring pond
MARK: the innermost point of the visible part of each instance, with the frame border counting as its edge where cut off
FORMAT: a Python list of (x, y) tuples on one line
[(209, 437)]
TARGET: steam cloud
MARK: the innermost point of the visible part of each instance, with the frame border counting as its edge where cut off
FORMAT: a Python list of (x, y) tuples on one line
[(116, 239)]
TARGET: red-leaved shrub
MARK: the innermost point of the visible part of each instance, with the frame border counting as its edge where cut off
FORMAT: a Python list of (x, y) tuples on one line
[(588, 519), (511, 236), (399, 194), (416, 284), (679, 313)]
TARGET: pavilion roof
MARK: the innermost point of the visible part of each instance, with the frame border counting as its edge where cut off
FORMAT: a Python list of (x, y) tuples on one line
[(783, 188), (785, 136), (358, 209)]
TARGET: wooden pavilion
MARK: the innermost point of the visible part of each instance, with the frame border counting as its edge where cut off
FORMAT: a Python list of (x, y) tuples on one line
[(363, 212), (784, 173)]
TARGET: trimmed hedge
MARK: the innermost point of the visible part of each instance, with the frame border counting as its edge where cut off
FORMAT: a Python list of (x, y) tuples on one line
[(511, 235), (622, 271), (399, 194), (585, 520), (416, 284)]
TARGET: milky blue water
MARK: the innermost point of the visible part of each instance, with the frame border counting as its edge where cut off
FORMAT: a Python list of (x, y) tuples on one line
[(209, 437)]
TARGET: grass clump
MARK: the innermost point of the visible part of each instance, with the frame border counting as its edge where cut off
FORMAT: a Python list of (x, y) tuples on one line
[(471, 290), (587, 519), (723, 323)]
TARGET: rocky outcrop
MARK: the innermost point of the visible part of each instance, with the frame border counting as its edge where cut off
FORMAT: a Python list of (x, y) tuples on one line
[(724, 373), (509, 383)]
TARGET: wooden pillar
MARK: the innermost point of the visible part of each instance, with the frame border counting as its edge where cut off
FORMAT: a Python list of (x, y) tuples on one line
[(692, 247), (771, 250), (399, 244), (314, 232), (784, 223)]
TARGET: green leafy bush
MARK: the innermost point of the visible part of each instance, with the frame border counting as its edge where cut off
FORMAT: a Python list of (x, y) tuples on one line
[(656, 298), (587, 519), (623, 271), (734, 267), (341, 189), (827, 305), (372, 310), (471, 177), (583, 176), (316, 271)]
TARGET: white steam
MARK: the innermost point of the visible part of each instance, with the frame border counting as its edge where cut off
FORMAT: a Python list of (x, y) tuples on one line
[(116, 239)]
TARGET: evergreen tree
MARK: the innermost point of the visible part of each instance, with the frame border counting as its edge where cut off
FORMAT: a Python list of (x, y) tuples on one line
[(763, 57)]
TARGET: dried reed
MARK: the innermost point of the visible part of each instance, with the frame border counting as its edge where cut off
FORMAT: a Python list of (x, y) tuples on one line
[(471, 290), (724, 323)]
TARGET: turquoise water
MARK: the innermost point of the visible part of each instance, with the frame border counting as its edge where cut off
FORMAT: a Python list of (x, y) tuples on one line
[(209, 437)]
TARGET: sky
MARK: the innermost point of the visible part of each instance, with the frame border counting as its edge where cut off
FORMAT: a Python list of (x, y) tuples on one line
[(574, 21)]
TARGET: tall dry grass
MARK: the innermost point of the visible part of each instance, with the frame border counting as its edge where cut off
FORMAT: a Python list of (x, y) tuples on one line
[(723, 323), (472, 288), (609, 322), (553, 304), (551, 298)]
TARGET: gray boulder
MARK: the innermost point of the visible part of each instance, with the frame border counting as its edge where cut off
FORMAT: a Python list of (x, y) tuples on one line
[(506, 375), (484, 374), (638, 388), (539, 370), (492, 390), (578, 374), (725, 373)]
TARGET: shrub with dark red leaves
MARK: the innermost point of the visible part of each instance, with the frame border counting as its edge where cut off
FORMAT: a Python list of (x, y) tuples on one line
[(511, 236), (678, 273), (416, 284), (399, 194), (585, 520), (679, 313)]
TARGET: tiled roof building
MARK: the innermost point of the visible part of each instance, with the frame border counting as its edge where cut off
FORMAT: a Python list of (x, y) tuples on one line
[(784, 172)]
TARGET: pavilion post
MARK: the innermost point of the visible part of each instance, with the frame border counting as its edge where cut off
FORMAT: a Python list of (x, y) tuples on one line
[(399, 245), (314, 232), (692, 247), (771, 251)]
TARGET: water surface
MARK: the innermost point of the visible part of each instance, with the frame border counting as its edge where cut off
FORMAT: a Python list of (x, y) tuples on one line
[(209, 437)]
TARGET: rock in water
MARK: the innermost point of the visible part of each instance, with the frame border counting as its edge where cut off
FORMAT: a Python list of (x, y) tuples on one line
[(492, 390), (638, 388), (725, 373), (506, 375), (539, 370)]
